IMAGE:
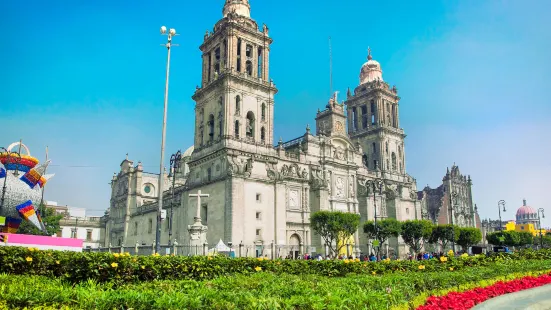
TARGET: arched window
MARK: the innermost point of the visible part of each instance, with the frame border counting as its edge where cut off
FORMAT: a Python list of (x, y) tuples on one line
[(236, 129), (386, 148), (401, 168), (364, 160), (374, 147), (237, 104), (262, 135), (394, 161), (220, 101), (211, 127), (263, 111), (249, 68), (249, 129)]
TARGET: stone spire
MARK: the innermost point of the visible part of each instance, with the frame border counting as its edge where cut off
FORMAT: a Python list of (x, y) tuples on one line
[(239, 7)]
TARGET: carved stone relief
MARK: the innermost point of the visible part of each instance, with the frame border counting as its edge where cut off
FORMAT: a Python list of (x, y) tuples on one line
[(339, 153), (339, 187), (294, 200)]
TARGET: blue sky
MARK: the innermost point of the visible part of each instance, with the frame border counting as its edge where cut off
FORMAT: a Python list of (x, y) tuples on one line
[(87, 80)]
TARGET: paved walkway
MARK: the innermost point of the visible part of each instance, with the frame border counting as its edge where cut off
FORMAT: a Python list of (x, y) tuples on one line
[(538, 298)]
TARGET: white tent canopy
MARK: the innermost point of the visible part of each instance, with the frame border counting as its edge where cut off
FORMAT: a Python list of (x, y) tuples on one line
[(220, 247)]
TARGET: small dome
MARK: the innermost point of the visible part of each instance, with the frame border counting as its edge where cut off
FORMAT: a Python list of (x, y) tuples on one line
[(188, 152), (371, 70), (526, 210)]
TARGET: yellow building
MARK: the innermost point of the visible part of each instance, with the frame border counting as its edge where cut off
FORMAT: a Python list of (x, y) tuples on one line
[(524, 228)]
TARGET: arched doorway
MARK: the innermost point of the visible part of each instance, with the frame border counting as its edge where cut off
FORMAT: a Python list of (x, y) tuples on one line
[(294, 245)]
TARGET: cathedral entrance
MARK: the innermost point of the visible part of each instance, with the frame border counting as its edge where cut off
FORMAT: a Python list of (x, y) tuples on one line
[(294, 246)]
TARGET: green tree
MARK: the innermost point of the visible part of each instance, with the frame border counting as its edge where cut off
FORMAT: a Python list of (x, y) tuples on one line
[(469, 236), (444, 234), (501, 238), (415, 233), (335, 228), (50, 220), (525, 238), (385, 229)]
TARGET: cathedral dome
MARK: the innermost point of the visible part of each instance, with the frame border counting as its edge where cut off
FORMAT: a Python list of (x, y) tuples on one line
[(239, 7), (371, 70), (188, 152), (526, 212)]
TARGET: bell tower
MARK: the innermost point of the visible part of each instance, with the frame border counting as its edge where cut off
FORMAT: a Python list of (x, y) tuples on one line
[(236, 98), (373, 120)]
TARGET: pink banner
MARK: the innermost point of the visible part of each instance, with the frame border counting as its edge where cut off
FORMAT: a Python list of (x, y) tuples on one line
[(43, 240)]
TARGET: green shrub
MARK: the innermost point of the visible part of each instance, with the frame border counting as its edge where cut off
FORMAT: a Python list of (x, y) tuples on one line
[(255, 291), (105, 267)]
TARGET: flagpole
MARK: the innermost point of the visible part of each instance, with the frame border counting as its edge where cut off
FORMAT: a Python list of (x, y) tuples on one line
[(42, 207)]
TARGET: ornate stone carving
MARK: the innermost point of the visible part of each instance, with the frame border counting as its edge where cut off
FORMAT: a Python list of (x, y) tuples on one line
[(293, 171), (351, 192), (239, 167), (339, 153), (339, 187), (412, 194), (272, 172), (294, 201), (317, 179)]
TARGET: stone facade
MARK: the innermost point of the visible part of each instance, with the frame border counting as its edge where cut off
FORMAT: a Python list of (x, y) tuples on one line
[(435, 203), (261, 194)]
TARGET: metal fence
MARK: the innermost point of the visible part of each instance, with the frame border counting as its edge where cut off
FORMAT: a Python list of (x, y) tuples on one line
[(271, 251)]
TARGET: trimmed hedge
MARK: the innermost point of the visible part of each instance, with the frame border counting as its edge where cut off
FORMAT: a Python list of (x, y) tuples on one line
[(105, 267), (256, 291)]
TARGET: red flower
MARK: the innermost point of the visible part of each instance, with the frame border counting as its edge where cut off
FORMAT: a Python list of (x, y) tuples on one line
[(468, 299)]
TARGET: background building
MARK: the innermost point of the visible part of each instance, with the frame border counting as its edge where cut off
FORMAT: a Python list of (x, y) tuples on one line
[(75, 224), (435, 203)]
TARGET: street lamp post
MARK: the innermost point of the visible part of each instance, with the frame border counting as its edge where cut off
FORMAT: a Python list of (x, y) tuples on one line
[(374, 185), (174, 167), (171, 33), (540, 210), (499, 205)]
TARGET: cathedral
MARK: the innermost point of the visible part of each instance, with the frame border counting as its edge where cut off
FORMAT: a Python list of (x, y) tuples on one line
[(262, 193)]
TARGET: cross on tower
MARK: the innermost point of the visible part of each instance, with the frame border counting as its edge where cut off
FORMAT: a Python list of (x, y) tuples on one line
[(198, 195)]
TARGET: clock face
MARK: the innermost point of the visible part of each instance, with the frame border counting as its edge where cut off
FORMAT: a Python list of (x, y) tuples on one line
[(339, 127)]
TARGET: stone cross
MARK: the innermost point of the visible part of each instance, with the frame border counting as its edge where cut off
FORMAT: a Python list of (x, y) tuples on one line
[(198, 195)]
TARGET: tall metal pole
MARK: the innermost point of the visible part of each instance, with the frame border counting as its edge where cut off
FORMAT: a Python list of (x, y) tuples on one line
[(376, 184), (499, 204), (539, 223), (171, 33), (42, 208), (174, 166)]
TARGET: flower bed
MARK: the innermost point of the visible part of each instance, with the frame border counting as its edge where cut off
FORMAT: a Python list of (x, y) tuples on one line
[(470, 298), (106, 267), (259, 290)]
